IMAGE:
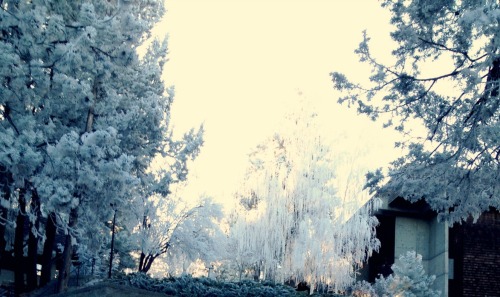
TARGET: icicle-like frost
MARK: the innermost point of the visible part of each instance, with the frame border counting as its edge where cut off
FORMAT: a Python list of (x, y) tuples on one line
[(304, 221)]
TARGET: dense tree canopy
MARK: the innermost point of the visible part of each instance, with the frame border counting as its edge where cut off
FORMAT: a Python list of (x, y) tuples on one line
[(446, 77), (81, 120)]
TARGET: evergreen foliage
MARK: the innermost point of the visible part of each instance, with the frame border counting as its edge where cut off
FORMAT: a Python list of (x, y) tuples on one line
[(82, 118), (446, 78), (409, 280)]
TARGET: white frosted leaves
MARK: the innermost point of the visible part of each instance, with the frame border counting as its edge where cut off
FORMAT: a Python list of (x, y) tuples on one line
[(293, 222)]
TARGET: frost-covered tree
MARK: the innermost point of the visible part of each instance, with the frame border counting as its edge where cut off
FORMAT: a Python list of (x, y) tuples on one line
[(294, 223), (198, 238), (446, 75), (81, 119), (409, 280), (178, 229)]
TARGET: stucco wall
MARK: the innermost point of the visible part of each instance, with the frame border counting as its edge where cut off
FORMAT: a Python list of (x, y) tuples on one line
[(428, 238), (412, 235)]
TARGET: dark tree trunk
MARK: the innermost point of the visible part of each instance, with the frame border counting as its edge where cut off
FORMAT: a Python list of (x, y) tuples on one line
[(143, 256), (3, 242), (31, 277), (19, 245), (5, 183), (65, 270), (48, 247), (141, 261), (148, 263), (145, 262)]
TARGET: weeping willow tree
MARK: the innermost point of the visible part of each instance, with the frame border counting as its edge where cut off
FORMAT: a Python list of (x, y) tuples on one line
[(298, 221)]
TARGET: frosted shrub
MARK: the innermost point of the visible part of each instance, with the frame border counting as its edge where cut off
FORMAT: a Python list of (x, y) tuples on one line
[(409, 280), (190, 286)]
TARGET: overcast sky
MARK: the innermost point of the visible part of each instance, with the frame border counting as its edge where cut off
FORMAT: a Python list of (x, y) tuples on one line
[(239, 65)]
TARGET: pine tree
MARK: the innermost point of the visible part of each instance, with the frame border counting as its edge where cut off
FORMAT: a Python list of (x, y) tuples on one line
[(409, 280), (446, 75), (82, 118)]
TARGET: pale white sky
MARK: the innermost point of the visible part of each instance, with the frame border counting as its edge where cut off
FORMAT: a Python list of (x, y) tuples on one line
[(239, 65)]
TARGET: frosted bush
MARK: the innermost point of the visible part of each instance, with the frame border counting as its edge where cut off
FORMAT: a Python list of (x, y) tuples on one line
[(409, 280)]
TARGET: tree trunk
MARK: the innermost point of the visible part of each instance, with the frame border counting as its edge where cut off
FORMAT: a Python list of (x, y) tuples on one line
[(65, 270), (3, 242), (5, 182), (19, 245), (31, 277), (146, 262), (143, 256), (311, 288), (112, 250), (48, 247), (149, 262), (141, 261)]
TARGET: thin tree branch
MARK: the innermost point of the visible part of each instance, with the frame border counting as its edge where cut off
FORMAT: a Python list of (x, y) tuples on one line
[(444, 47)]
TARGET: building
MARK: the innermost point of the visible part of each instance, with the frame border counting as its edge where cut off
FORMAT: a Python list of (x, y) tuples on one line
[(465, 258)]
